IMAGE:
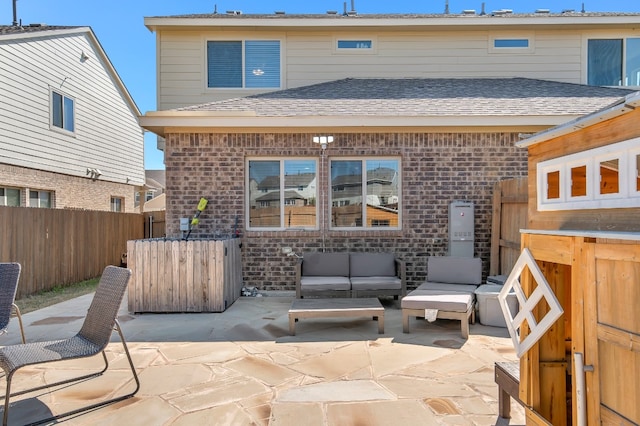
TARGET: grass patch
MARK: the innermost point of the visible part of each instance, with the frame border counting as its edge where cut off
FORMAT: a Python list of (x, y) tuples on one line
[(56, 295)]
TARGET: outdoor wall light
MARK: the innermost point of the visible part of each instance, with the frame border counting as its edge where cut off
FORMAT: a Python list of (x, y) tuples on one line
[(94, 173), (323, 141), (83, 57)]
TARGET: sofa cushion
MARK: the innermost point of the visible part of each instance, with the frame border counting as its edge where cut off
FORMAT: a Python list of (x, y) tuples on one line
[(325, 264), (454, 288), (376, 283), (456, 270), (434, 299), (372, 264), (322, 283)]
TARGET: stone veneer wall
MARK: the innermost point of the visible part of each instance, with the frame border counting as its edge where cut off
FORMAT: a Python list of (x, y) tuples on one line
[(436, 169), (69, 191)]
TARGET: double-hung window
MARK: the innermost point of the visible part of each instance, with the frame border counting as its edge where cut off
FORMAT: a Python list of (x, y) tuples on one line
[(243, 64), (10, 197), (613, 62), (282, 194), (62, 111), (365, 193)]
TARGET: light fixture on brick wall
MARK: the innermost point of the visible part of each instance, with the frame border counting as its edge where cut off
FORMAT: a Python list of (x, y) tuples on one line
[(323, 141), (94, 173)]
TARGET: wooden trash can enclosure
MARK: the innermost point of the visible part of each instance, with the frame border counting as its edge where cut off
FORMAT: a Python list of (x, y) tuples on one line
[(184, 276)]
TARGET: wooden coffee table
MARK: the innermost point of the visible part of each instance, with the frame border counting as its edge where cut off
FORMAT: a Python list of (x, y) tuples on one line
[(337, 307)]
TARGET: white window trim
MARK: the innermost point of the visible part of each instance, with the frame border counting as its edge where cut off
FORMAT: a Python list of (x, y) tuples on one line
[(355, 51), (243, 39), (283, 228), (529, 36), (75, 112), (627, 195), (364, 159)]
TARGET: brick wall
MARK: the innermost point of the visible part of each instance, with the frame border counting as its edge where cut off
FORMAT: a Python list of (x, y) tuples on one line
[(69, 191), (436, 169)]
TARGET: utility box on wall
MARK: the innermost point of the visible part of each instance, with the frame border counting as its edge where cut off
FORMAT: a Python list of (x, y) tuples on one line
[(461, 226)]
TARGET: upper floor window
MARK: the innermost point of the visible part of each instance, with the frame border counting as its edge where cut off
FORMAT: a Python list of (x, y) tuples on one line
[(282, 194), (605, 177), (43, 199), (512, 43), (10, 197), (117, 204), (365, 193), (62, 111), (355, 44), (243, 64), (613, 62)]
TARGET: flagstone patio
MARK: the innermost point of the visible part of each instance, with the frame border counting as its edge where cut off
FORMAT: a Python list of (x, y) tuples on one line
[(241, 367)]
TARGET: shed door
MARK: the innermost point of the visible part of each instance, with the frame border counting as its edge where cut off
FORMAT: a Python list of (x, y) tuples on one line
[(612, 317)]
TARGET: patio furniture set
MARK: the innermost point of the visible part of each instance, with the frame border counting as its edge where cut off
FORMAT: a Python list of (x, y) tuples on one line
[(447, 293)]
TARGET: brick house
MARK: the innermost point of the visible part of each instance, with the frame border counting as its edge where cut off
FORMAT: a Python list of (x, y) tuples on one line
[(69, 133), (401, 141)]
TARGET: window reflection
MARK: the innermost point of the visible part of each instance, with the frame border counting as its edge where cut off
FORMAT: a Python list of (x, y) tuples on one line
[(377, 180), (271, 205), (579, 181)]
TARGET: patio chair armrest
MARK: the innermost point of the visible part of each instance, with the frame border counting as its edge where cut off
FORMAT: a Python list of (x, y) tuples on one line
[(298, 277), (401, 272)]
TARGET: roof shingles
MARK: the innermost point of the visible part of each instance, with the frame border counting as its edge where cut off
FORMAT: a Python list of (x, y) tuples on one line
[(425, 97)]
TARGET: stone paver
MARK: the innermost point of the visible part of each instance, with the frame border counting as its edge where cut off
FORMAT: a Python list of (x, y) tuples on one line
[(241, 367)]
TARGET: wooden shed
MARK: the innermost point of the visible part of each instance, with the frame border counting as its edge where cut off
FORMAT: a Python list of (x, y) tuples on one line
[(584, 234)]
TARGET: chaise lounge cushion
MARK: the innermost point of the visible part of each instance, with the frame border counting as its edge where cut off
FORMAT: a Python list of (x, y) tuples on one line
[(441, 300), (448, 287)]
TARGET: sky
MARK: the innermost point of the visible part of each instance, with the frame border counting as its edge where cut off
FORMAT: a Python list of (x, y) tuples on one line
[(119, 26)]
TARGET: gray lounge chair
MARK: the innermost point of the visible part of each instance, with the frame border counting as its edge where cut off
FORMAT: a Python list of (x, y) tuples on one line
[(9, 277), (91, 340)]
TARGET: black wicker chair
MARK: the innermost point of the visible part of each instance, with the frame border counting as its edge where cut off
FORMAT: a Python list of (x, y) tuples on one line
[(9, 277), (91, 340)]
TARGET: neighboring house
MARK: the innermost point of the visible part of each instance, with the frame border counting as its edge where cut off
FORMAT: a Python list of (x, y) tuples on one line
[(416, 111), (69, 132), (153, 191)]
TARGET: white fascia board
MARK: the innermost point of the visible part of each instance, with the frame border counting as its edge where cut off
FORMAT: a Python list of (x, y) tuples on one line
[(157, 122), (399, 22), (624, 106)]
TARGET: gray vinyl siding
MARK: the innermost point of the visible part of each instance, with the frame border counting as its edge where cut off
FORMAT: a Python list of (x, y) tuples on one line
[(107, 135)]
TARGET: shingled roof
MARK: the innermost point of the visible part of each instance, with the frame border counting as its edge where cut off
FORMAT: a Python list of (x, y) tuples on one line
[(413, 97), (32, 28)]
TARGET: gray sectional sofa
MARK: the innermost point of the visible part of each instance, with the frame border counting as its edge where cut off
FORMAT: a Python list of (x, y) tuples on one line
[(350, 275)]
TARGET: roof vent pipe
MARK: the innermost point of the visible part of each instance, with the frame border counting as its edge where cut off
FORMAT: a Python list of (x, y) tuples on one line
[(582, 10), (345, 9), (15, 13), (446, 7), (353, 5), (482, 12)]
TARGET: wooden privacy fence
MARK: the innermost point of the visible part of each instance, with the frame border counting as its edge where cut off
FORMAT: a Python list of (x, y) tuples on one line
[(184, 276), (60, 246), (510, 204)]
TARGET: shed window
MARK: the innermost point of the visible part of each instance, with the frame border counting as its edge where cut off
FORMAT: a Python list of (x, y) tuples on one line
[(243, 64), (605, 177)]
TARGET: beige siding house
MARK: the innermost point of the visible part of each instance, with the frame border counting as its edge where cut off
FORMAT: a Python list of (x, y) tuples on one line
[(427, 107), (69, 132)]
